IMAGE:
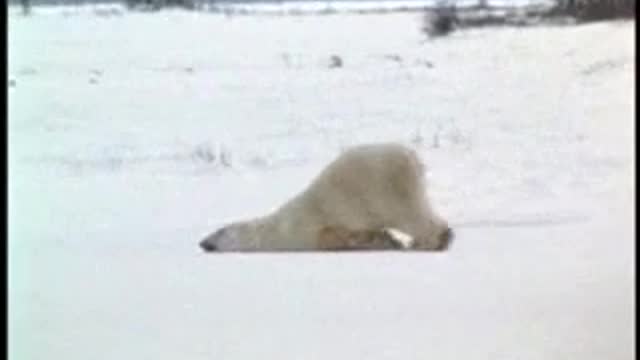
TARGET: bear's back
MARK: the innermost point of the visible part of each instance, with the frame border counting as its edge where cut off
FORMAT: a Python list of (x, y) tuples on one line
[(368, 186)]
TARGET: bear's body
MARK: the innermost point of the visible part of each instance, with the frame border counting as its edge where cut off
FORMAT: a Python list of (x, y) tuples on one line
[(366, 189)]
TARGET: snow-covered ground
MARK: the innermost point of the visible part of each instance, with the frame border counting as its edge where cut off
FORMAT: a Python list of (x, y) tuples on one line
[(133, 136)]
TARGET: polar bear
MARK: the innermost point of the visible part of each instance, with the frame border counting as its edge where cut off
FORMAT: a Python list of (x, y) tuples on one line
[(351, 204)]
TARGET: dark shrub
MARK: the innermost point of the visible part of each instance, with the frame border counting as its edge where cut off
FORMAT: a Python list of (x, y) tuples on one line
[(441, 21), (594, 10)]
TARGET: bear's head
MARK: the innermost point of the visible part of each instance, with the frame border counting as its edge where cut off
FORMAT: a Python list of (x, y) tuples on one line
[(241, 236)]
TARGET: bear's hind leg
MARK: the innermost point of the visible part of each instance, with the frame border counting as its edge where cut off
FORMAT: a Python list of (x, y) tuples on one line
[(340, 238)]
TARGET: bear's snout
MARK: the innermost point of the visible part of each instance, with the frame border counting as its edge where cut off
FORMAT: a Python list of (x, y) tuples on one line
[(208, 246), (211, 242)]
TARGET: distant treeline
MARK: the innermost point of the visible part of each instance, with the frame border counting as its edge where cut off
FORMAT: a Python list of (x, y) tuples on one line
[(444, 15), (426, 2)]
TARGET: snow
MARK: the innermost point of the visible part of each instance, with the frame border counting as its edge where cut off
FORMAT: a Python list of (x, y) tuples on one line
[(133, 136)]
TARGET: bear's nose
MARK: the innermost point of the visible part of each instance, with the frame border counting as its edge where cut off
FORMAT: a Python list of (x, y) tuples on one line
[(208, 246), (445, 239)]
